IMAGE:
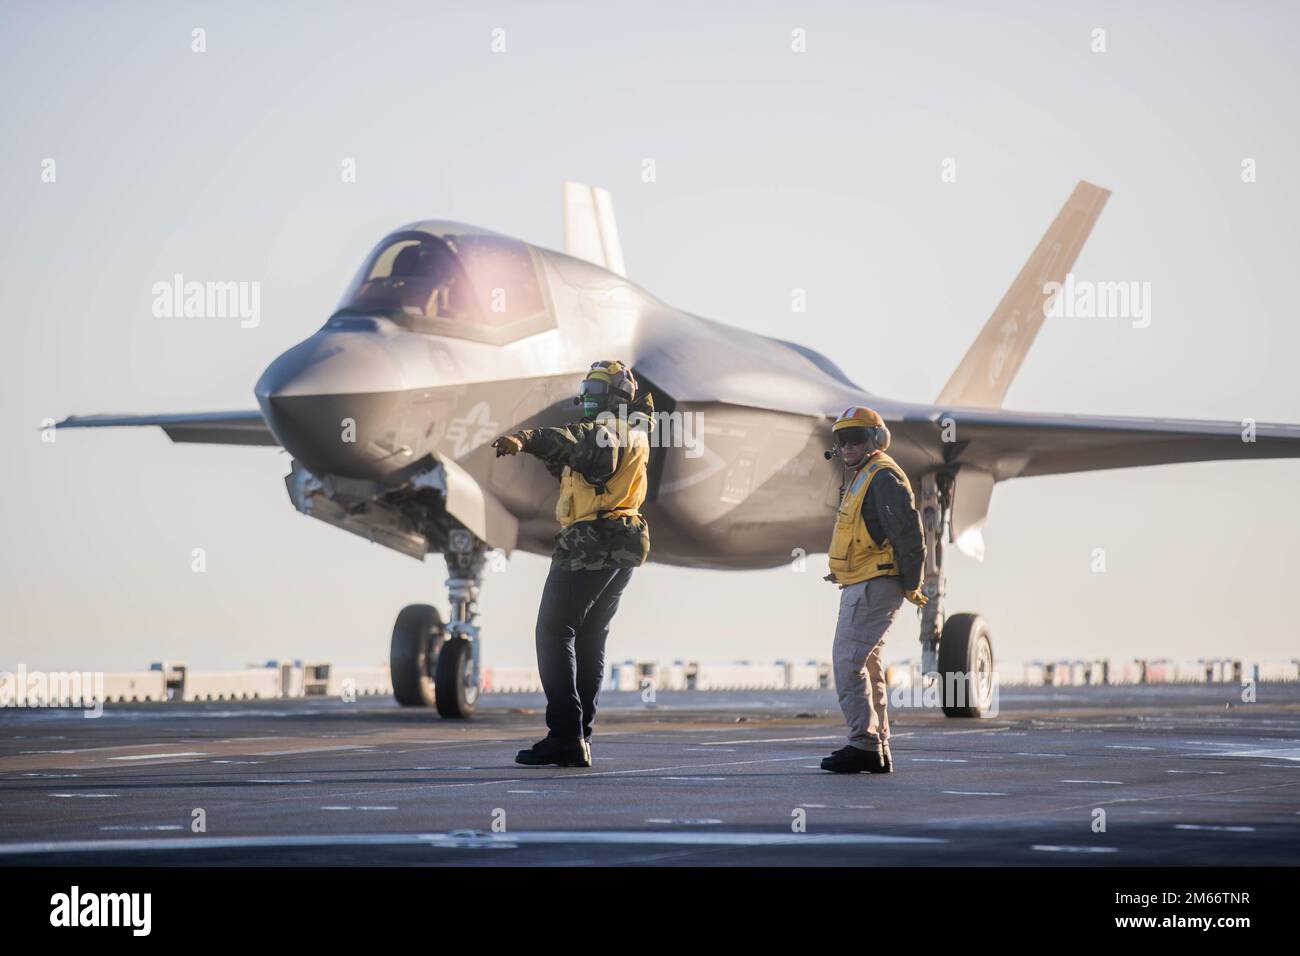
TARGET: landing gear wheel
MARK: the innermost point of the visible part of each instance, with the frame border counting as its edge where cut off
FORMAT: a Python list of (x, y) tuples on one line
[(457, 692), (418, 638), (966, 666)]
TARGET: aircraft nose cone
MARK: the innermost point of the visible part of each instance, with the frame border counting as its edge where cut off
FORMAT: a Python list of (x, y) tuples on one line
[(333, 401)]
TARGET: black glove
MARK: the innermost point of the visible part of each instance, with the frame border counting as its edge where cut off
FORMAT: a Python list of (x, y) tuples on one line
[(508, 445)]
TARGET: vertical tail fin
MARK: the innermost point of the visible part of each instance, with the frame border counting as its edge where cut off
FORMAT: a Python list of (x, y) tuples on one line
[(985, 373), (589, 229)]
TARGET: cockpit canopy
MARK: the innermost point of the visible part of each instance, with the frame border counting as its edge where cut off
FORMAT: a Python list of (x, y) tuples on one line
[(453, 280)]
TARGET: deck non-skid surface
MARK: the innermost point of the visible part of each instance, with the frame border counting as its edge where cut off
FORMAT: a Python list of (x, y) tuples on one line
[(1133, 776)]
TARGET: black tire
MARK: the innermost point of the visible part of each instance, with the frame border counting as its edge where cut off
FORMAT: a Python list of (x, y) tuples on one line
[(965, 649), (456, 695), (418, 638)]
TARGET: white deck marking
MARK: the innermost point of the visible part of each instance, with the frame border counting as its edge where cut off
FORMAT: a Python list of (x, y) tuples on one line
[(1283, 753), (684, 823), (144, 826), (188, 753), (689, 766), (1053, 848), (767, 740), (1206, 826), (90, 750), (975, 793), (84, 795), (1113, 783), (471, 840)]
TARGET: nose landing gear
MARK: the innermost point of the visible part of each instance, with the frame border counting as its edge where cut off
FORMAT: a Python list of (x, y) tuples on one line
[(434, 664)]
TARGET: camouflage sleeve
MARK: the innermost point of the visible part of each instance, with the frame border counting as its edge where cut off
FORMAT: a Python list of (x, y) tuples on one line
[(900, 524), (580, 446)]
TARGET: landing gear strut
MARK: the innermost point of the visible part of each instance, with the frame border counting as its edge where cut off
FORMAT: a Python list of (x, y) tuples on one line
[(957, 651), (433, 664), (458, 677)]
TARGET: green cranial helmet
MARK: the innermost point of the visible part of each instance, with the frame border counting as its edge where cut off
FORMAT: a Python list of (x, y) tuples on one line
[(606, 386)]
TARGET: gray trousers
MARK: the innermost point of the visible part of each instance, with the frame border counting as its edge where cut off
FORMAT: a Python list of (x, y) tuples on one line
[(867, 610)]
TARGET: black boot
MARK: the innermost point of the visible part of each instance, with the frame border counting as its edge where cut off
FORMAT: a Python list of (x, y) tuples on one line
[(551, 751), (853, 760)]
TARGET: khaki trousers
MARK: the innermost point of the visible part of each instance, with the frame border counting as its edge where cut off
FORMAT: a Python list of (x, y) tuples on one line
[(867, 611)]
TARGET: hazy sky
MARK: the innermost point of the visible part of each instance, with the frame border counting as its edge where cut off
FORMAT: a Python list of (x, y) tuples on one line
[(775, 170)]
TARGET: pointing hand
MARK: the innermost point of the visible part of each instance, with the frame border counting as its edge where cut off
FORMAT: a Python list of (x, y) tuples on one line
[(508, 445)]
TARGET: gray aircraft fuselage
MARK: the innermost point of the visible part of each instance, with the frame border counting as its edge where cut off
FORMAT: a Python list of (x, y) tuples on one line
[(743, 485)]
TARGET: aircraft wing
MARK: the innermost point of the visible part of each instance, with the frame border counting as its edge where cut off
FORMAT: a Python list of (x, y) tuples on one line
[(1010, 444), (218, 428)]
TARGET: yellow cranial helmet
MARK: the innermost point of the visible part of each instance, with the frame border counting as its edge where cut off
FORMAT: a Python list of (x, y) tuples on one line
[(857, 423), (606, 385)]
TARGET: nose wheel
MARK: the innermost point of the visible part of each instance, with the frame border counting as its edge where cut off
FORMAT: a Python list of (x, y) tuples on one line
[(457, 680), (418, 637), (433, 664)]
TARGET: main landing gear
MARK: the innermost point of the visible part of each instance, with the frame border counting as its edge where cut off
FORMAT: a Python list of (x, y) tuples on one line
[(435, 664), (957, 651)]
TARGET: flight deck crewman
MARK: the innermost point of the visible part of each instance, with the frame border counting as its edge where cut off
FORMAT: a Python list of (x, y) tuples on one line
[(877, 556), (601, 464)]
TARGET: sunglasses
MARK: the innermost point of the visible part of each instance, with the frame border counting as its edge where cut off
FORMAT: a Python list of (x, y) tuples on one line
[(851, 436)]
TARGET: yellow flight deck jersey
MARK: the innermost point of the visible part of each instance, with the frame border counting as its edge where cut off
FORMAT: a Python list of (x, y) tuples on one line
[(854, 555), (621, 496)]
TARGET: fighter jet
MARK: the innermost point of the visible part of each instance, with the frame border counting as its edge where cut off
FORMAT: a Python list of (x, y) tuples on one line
[(450, 335)]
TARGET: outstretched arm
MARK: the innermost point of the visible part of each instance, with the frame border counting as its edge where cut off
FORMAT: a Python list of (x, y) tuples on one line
[(578, 446)]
